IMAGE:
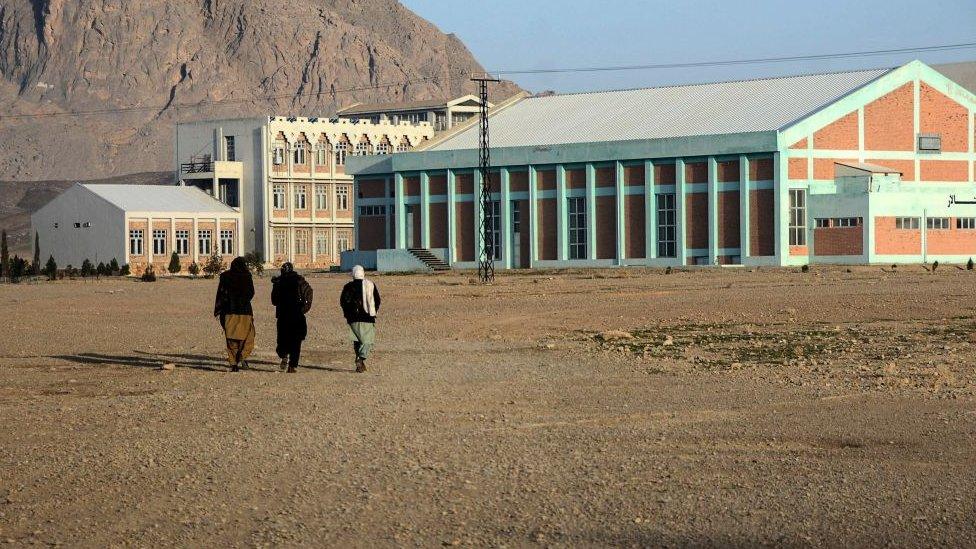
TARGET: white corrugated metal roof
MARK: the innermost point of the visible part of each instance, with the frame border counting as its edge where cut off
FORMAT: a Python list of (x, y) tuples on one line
[(159, 198), (673, 111)]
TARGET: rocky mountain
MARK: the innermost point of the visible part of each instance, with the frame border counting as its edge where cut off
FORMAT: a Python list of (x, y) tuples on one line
[(156, 58)]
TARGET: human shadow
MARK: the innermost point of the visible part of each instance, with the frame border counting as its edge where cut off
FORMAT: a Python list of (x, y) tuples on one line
[(135, 361)]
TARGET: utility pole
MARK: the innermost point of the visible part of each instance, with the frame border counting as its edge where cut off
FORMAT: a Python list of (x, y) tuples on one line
[(486, 260)]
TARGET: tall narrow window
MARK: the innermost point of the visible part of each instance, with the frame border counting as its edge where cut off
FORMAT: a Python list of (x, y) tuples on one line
[(159, 241), (321, 197), (280, 242), (230, 148), (300, 154), (301, 242), (495, 226), (278, 197), (798, 217), (342, 197), (321, 243), (135, 242), (667, 241), (342, 242), (301, 197), (182, 242), (341, 148), (227, 242), (577, 227), (322, 154), (278, 153), (204, 238)]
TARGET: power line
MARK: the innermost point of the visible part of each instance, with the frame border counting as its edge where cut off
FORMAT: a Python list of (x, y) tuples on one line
[(817, 57)]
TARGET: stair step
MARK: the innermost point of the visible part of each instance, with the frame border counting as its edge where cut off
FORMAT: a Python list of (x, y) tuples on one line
[(428, 258)]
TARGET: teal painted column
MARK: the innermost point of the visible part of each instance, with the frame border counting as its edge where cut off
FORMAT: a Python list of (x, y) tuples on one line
[(533, 217), (479, 241), (387, 219), (425, 210), (590, 211), (781, 205), (400, 208), (562, 216), (650, 212), (451, 217), (681, 212), (744, 213), (621, 203), (712, 210), (506, 220)]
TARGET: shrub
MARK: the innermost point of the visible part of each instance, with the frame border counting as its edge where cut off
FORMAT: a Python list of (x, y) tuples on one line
[(969, 264), (669, 270), (194, 269), (214, 265), (935, 265), (149, 275), (18, 268), (70, 271), (113, 267), (101, 270), (87, 269), (805, 268), (174, 264), (254, 262), (51, 268), (125, 270)]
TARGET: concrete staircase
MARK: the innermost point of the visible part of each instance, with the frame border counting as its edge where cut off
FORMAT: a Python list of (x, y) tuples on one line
[(435, 263)]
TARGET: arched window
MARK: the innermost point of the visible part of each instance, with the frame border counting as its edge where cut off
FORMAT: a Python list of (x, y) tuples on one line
[(341, 149), (322, 153), (278, 153), (362, 148), (403, 146), (300, 157)]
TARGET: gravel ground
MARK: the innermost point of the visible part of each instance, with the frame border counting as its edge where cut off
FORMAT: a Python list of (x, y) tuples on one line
[(623, 407)]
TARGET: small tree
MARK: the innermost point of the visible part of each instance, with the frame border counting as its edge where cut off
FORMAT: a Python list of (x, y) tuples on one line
[(101, 270), (174, 263), (970, 265), (4, 256), (18, 268), (193, 269), (213, 266), (935, 265), (113, 267), (149, 275), (254, 262), (125, 270), (87, 269), (51, 269), (36, 265)]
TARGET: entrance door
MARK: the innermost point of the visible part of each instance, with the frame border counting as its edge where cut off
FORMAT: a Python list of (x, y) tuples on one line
[(516, 245)]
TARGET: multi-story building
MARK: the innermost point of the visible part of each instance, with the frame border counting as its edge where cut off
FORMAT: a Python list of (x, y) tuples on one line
[(286, 175), (849, 167), (442, 114), (137, 225)]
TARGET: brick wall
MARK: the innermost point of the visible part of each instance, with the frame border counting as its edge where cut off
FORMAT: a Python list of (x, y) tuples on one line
[(547, 229), (634, 220), (546, 180), (761, 169), (798, 168), (889, 121), (525, 236), (761, 236), (438, 185), (728, 219), (464, 183), (842, 134), (372, 188), (576, 179), (664, 174), (697, 220), (838, 241), (518, 182), (371, 233), (606, 227), (464, 230), (438, 225), (634, 175), (951, 241), (696, 172), (606, 176), (728, 171), (944, 170), (891, 241), (940, 114), (411, 186)]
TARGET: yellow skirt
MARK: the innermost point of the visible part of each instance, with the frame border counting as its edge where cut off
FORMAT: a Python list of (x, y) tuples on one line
[(240, 334)]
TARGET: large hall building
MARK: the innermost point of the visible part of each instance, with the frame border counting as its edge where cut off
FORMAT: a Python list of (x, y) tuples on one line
[(849, 167)]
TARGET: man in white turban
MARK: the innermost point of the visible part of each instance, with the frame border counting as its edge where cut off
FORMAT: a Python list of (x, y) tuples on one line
[(360, 302)]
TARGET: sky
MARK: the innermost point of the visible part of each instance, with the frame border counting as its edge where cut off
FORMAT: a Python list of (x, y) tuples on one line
[(534, 34)]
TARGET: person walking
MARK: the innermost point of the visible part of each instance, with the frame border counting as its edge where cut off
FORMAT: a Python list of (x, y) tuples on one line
[(292, 297), (233, 307), (360, 301)]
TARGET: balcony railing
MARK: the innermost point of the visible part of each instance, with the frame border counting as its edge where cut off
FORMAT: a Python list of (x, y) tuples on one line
[(197, 167)]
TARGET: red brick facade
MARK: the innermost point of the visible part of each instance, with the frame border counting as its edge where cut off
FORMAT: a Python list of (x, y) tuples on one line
[(829, 241)]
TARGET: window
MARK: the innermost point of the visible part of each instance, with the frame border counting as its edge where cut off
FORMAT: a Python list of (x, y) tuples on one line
[(278, 153), (342, 197), (301, 242), (321, 197), (798, 217), (280, 242), (300, 154), (383, 148), (930, 143), (495, 226), (403, 147), (278, 197), (135, 242), (341, 149), (372, 211), (182, 242), (159, 241), (577, 228), (667, 241), (204, 238), (342, 242), (906, 223), (966, 222), (413, 118), (846, 222), (321, 243), (322, 154), (229, 148), (227, 242), (822, 222), (362, 149), (937, 223), (301, 195)]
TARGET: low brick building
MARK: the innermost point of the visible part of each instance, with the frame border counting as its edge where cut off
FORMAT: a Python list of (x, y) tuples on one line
[(850, 167), (137, 225)]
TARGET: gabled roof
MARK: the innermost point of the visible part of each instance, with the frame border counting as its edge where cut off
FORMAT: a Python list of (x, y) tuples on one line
[(158, 198), (721, 108), (375, 108)]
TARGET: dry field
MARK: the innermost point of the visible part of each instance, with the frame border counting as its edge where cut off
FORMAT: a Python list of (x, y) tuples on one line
[(619, 407)]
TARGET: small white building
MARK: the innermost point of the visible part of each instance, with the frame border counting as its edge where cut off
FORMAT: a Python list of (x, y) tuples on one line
[(137, 225)]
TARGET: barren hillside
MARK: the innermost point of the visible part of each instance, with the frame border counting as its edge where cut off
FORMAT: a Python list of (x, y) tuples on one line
[(257, 56)]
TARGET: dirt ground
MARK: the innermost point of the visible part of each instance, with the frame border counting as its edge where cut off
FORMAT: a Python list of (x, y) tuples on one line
[(728, 407)]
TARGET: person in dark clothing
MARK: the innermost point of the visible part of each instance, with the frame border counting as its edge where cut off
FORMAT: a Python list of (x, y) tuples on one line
[(292, 297), (233, 307), (360, 302)]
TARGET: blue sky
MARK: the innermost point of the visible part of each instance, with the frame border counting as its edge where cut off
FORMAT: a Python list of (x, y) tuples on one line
[(530, 34)]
